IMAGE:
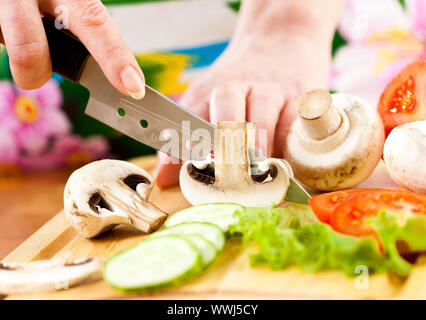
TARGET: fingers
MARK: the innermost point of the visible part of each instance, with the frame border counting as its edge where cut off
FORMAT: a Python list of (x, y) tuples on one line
[(167, 171), (286, 118), (26, 42), (228, 102), (195, 98), (264, 104), (91, 23)]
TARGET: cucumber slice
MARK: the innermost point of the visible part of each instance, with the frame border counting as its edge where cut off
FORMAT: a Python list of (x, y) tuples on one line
[(154, 263), (205, 247), (219, 214), (206, 230)]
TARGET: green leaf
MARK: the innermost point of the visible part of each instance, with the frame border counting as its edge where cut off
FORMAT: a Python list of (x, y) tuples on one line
[(252, 220), (291, 236), (234, 5), (412, 234), (5, 73), (338, 42)]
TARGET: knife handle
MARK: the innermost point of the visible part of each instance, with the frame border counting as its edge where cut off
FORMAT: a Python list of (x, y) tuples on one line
[(67, 53)]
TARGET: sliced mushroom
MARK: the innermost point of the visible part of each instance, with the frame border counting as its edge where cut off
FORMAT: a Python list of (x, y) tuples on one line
[(47, 275), (405, 155), (336, 142), (107, 193), (230, 177)]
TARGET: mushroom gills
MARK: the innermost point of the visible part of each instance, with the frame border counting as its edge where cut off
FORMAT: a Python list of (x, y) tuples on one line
[(97, 202), (133, 180), (207, 175), (234, 175), (142, 214), (106, 193)]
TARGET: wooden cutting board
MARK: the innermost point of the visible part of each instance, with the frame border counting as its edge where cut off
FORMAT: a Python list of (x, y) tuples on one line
[(230, 277)]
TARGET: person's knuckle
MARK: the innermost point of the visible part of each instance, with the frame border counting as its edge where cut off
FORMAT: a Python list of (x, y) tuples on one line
[(93, 13), (227, 89), (26, 54), (269, 92), (114, 48)]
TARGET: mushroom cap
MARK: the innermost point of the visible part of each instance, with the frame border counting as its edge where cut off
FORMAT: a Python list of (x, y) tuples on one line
[(405, 155), (99, 180), (47, 275), (232, 180), (344, 158), (256, 194)]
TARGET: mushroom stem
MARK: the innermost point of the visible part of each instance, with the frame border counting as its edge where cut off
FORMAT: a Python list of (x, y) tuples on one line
[(231, 156), (336, 142), (319, 118), (151, 220), (142, 214), (232, 179)]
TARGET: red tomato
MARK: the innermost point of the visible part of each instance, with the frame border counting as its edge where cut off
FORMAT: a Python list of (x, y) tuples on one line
[(404, 99), (351, 216), (323, 205)]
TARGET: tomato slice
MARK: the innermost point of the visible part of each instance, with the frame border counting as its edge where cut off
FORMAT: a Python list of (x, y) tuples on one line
[(323, 205), (351, 216), (404, 99)]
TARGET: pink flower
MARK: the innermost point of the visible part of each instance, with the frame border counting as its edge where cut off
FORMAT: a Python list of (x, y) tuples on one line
[(417, 11), (74, 151), (382, 40), (32, 116), (8, 153), (8, 147), (67, 151)]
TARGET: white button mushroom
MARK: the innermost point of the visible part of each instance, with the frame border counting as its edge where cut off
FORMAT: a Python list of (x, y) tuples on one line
[(106, 193), (47, 275), (405, 155), (229, 176), (336, 142)]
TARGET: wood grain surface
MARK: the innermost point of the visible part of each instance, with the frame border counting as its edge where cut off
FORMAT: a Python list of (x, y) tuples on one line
[(230, 277), (28, 201)]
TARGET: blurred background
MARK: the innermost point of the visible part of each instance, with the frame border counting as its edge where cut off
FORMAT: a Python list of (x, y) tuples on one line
[(174, 41)]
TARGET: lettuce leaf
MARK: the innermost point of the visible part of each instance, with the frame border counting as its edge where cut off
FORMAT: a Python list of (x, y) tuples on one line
[(293, 237), (293, 216)]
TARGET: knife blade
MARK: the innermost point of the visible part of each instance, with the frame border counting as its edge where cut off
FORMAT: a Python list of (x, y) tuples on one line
[(154, 120), (150, 119)]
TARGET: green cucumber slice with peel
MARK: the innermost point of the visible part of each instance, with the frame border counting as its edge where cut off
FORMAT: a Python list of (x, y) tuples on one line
[(204, 229), (206, 249), (154, 263), (219, 214)]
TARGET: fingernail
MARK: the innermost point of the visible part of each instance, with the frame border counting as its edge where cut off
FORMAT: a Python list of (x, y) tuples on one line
[(132, 83)]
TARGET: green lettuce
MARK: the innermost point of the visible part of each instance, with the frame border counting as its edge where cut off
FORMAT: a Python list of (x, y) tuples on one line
[(293, 237)]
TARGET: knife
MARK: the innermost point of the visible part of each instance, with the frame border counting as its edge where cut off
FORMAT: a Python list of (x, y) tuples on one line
[(153, 120)]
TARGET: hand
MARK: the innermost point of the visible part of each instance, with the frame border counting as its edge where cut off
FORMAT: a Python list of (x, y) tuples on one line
[(22, 32), (279, 50), (257, 79)]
